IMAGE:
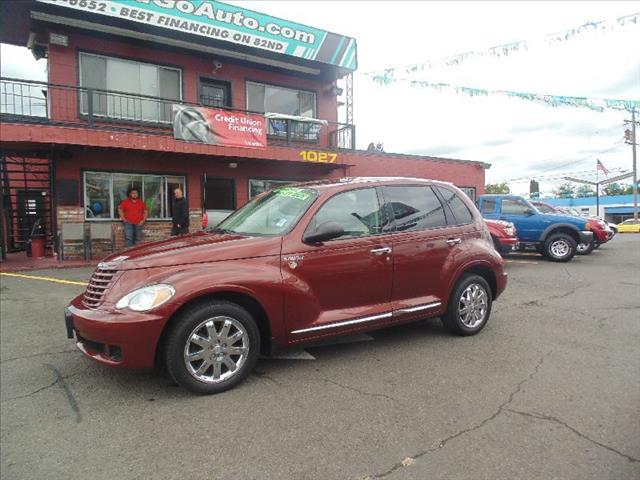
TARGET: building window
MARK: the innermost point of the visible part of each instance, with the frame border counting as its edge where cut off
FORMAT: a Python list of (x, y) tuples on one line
[(104, 191), (470, 191), (256, 187), (121, 84), (267, 98), (220, 194)]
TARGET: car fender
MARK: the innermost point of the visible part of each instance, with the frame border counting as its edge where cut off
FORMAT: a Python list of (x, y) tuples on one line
[(464, 267), (555, 226), (258, 278)]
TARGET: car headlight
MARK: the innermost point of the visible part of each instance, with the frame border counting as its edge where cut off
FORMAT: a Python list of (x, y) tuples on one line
[(146, 298)]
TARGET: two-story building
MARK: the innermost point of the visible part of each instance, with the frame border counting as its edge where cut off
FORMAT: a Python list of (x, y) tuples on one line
[(153, 94)]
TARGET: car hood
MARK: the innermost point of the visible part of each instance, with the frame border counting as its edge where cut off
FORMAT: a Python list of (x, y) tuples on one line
[(200, 247)]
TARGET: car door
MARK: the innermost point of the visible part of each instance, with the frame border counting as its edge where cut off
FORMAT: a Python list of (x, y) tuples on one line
[(529, 224), (421, 247), (341, 283)]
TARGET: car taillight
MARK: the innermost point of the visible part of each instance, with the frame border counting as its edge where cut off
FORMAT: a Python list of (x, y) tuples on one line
[(205, 220)]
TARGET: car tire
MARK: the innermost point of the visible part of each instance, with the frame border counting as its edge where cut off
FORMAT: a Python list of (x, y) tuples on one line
[(212, 347), (560, 247), (465, 315), (585, 249)]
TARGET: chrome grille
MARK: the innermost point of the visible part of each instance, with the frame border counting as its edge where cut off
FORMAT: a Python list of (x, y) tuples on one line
[(100, 281)]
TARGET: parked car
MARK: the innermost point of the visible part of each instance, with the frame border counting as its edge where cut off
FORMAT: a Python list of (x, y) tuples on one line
[(295, 265), (629, 226), (601, 231), (503, 235), (555, 236)]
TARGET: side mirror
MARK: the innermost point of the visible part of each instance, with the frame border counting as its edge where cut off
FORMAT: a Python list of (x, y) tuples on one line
[(529, 211), (325, 231)]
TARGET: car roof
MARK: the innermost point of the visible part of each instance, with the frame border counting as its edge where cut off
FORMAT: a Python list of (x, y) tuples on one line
[(350, 181)]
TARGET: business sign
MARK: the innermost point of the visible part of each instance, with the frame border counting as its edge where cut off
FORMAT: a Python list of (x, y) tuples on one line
[(215, 126), (228, 23)]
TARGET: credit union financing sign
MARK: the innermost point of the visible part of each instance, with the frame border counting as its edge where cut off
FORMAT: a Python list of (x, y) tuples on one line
[(219, 21), (215, 126)]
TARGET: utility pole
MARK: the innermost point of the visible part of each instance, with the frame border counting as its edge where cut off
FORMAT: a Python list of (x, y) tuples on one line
[(630, 136)]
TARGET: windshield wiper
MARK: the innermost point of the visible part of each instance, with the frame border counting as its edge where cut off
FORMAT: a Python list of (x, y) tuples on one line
[(222, 230)]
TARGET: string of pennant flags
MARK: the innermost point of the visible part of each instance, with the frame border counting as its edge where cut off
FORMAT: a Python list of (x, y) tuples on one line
[(512, 47), (596, 104)]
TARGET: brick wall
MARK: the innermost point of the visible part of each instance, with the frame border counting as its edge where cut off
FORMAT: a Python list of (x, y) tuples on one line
[(98, 249)]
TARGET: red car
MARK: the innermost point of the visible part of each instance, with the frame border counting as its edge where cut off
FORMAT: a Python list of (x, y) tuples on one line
[(601, 234), (503, 235), (295, 265)]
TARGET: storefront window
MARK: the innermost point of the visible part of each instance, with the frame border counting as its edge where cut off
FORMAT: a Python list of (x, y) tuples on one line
[(103, 192), (109, 75), (256, 187)]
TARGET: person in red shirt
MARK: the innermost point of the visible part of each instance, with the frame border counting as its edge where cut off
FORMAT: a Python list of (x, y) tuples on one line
[(133, 213)]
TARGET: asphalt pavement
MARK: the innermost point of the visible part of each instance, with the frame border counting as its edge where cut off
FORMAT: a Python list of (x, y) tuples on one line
[(549, 390)]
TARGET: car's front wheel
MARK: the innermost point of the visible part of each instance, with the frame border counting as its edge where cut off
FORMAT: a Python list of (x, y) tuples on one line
[(212, 347), (560, 247), (469, 306)]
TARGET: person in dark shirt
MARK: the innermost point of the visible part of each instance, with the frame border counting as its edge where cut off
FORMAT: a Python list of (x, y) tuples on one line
[(180, 217)]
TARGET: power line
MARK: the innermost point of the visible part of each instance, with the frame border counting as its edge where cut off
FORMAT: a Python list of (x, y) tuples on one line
[(564, 165)]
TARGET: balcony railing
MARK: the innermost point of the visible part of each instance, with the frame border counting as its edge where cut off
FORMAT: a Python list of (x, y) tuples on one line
[(28, 101)]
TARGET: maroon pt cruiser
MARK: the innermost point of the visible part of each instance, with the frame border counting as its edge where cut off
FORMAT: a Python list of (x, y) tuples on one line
[(298, 264)]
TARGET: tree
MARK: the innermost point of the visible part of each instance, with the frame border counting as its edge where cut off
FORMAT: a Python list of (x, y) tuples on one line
[(497, 188), (613, 189), (566, 190), (534, 189), (585, 191)]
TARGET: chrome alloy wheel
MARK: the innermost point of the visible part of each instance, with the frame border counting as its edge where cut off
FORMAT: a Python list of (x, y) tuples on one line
[(473, 304), (560, 248), (216, 349)]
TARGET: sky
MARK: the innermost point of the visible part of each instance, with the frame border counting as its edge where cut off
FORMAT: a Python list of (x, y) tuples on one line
[(520, 139)]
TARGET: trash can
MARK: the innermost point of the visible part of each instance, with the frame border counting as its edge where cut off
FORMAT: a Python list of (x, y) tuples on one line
[(37, 247), (36, 244)]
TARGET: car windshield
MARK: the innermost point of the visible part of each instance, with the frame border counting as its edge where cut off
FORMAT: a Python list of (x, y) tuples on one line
[(274, 213), (545, 208), (631, 221)]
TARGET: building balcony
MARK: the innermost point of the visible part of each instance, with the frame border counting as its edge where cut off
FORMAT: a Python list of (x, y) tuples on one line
[(35, 102)]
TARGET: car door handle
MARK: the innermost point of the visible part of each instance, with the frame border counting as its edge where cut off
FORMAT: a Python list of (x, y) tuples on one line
[(381, 251), (454, 241)]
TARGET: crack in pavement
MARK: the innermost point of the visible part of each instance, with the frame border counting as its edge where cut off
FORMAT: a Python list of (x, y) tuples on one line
[(59, 380), (361, 392), (7, 360), (443, 442), (67, 391), (549, 418)]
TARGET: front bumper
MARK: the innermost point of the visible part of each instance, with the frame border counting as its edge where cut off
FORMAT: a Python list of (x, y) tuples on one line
[(508, 245), (585, 237), (119, 339)]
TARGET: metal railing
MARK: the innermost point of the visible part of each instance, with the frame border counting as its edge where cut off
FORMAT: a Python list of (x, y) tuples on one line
[(40, 102)]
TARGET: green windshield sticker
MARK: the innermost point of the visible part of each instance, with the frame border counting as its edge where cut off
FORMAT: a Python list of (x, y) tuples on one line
[(297, 193)]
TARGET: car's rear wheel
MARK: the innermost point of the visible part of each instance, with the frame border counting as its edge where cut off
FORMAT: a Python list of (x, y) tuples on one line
[(469, 306), (560, 247), (585, 248), (212, 347)]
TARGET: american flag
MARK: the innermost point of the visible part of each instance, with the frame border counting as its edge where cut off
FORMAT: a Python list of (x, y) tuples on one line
[(602, 168)]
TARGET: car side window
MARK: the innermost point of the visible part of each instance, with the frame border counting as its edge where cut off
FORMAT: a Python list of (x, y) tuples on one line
[(461, 212), (356, 211), (414, 207), (488, 205), (514, 206)]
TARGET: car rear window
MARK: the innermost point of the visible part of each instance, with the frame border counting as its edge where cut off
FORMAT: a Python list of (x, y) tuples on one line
[(459, 209), (414, 207)]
